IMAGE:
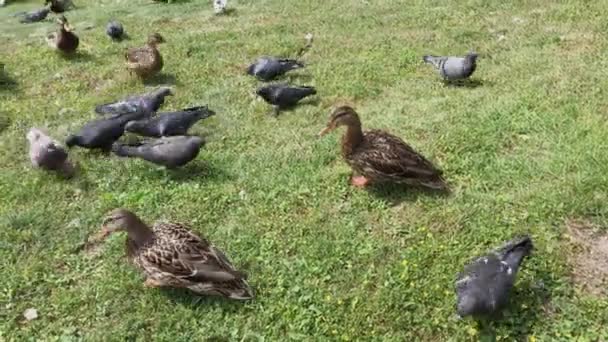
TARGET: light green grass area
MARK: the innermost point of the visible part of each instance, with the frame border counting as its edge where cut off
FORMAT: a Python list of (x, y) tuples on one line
[(524, 152)]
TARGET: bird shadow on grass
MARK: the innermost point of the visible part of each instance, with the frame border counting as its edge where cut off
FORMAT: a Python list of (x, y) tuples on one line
[(298, 77), (8, 83), (162, 79), (195, 171), (79, 57), (189, 299), (469, 83), (396, 194), (528, 304)]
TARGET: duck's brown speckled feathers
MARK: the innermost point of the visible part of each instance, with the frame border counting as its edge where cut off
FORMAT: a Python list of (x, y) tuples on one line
[(382, 157), (146, 61), (171, 255)]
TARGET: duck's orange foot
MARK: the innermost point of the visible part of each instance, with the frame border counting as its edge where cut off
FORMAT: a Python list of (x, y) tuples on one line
[(152, 283), (359, 181)]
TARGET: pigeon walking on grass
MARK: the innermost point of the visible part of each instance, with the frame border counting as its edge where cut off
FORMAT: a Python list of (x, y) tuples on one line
[(483, 288), (282, 96), (34, 16), (147, 103), (168, 124), (102, 133), (453, 68), (268, 68), (115, 30), (170, 152), (48, 154)]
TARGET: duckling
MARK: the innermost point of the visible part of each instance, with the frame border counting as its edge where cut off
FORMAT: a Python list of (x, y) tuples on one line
[(64, 39), (146, 61), (377, 156), (171, 255)]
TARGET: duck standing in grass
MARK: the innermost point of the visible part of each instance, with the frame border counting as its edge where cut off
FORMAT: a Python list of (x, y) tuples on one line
[(376, 156), (64, 40), (171, 255), (146, 61)]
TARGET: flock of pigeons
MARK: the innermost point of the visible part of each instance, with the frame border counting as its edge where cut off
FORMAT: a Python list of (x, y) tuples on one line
[(482, 288)]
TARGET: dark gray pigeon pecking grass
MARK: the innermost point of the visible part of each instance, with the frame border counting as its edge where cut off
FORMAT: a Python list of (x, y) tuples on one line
[(147, 103), (482, 289), (102, 133), (268, 68), (168, 124), (453, 68), (170, 152), (34, 16), (48, 154), (115, 30), (282, 96)]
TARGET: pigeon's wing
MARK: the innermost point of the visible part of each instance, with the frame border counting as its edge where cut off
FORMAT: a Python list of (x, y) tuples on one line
[(453, 67), (125, 106)]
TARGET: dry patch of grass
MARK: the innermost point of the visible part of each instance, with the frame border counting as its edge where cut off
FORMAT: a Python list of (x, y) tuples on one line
[(589, 256)]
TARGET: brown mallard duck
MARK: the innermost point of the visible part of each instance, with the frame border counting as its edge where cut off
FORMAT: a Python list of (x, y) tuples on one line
[(146, 61), (171, 255), (64, 39), (377, 156)]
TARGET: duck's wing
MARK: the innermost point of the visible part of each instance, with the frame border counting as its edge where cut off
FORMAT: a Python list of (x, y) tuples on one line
[(390, 156), (189, 257), (139, 55)]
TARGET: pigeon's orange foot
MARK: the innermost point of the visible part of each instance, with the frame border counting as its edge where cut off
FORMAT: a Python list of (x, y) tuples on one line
[(152, 283), (359, 181)]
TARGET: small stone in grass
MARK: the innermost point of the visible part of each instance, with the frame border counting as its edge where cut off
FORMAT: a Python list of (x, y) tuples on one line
[(30, 314)]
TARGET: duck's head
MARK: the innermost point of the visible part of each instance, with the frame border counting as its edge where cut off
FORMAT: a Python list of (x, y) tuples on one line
[(118, 220), (63, 22), (155, 39), (341, 116)]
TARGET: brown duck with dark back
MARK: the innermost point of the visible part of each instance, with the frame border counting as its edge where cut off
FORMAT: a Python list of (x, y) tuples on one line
[(377, 156)]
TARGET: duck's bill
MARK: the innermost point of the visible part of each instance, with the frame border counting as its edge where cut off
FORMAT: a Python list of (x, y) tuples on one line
[(104, 233), (325, 131)]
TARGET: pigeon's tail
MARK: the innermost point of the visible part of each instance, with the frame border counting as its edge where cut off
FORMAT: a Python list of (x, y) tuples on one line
[(105, 109), (123, 150), (430, 59), (308, 91), (71, 141), (290, 64), (516, 250), (202, 112)]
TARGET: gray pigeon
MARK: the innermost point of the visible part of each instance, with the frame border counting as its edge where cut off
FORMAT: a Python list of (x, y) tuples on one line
[(167, 124), (268, 68), (483, 288), (34, 16), (170, 152), (283, 96), (147, 103), (104, 132), (453, 68), (115, 30), (48, 154)]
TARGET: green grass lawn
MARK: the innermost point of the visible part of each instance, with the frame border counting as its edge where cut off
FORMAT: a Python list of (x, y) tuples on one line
[(525, 152)]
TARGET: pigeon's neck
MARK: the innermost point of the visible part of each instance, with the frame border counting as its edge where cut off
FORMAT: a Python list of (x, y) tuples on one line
[(351, 139)]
